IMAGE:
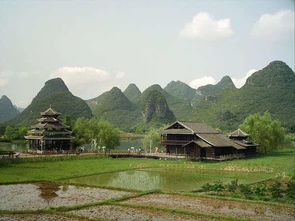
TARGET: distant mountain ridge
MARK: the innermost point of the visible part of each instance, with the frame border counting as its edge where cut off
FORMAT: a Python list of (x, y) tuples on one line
[(57, 94), (7, 110), (180, 90), (221, 105)]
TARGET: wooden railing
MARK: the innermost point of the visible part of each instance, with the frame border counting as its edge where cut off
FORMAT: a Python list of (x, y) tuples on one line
[(175, 141)]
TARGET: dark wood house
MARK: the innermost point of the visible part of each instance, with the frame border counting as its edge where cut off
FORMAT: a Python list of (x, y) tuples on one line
[(50, 134), (199, 140)]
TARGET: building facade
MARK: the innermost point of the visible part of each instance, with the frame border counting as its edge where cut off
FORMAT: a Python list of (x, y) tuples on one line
[(200, 141), (50, 134)]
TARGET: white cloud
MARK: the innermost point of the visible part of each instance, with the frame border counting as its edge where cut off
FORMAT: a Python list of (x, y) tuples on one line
[(239, 82), (81, 76), (205, 27), (87, 82), (202, 81), (3, 82), (275, 27), (120, 75)]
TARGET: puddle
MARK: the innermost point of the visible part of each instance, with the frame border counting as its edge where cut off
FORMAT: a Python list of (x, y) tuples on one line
[(45, 195), (35, 217), (215, 206), (164, 179), (121, 213)]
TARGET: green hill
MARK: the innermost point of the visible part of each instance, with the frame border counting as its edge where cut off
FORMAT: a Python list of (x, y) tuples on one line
[(132, 92), (180, 90), (180, 107), (209, 90), (116, 108), (271, 89), (7, 109), (155, 108), (54, 93)]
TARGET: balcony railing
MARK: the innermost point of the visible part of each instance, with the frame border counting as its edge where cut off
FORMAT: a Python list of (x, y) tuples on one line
[(177, 142)]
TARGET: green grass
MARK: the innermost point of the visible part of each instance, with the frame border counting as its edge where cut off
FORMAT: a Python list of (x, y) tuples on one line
[(280, 163)]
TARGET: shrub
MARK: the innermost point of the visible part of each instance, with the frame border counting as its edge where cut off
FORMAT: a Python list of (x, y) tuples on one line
[(290, 191), (206, 187), (260, 190), (245, 189), (217, 186), (233, 186), (276, 191)]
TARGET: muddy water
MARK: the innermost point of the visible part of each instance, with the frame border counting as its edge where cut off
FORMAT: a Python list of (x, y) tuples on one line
[(215, 206), (121, 213), (45, 195)]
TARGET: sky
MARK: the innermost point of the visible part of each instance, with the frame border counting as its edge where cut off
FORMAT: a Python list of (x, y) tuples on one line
[(94, 45)]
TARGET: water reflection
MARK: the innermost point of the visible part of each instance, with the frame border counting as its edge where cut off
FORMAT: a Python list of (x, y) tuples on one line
[(18, 147), (147, 180), (48, 191)]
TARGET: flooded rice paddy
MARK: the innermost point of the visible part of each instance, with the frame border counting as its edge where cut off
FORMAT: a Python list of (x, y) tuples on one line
[(163, 179), (114, 212), (37, 196), (216, 206), (35, 217), (45, 195)]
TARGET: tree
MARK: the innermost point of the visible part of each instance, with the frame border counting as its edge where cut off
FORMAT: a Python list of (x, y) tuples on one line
[(67, 121), (265, 131), (2, 129), (11, 133), (85, 130), (152, 139)]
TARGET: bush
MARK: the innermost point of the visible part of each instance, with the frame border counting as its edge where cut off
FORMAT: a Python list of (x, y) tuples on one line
[(245, 189), (233, 186), (206, 187), (276, 191), (290, 191), (217, 186), (260, 190)]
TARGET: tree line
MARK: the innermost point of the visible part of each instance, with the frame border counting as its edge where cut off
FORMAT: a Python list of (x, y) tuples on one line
[(265, 131)]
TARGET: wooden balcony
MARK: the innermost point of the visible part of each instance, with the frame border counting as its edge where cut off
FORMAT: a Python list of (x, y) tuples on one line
[(174, 142)]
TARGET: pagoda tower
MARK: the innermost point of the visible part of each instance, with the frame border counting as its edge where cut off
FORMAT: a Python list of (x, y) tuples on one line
[(50, 134)]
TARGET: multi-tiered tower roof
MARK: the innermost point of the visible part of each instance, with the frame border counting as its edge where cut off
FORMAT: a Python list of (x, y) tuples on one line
[(50, 133)]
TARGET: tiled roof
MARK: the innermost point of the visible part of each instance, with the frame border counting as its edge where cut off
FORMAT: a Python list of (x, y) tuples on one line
[(199, 142), (176, 131), (199, 128), (50, 112), (238, 133), (220, 140)]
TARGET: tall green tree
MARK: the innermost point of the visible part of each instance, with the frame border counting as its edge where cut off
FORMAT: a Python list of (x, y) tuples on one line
[(67, 120), (85, 130), (2, 129), (152, 139), (11, 133), (265, 131)]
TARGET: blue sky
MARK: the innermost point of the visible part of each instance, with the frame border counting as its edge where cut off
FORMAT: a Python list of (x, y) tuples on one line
[(94, 45)]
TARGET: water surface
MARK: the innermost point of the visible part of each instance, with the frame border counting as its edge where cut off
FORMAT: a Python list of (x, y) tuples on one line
[(163, 179)]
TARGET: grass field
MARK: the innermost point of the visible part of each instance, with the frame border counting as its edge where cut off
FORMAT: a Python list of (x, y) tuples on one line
[(278, 164), (140, 178)]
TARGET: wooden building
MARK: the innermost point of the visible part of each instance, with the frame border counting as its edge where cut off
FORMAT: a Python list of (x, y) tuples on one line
[(50, 134), (199, 140)]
